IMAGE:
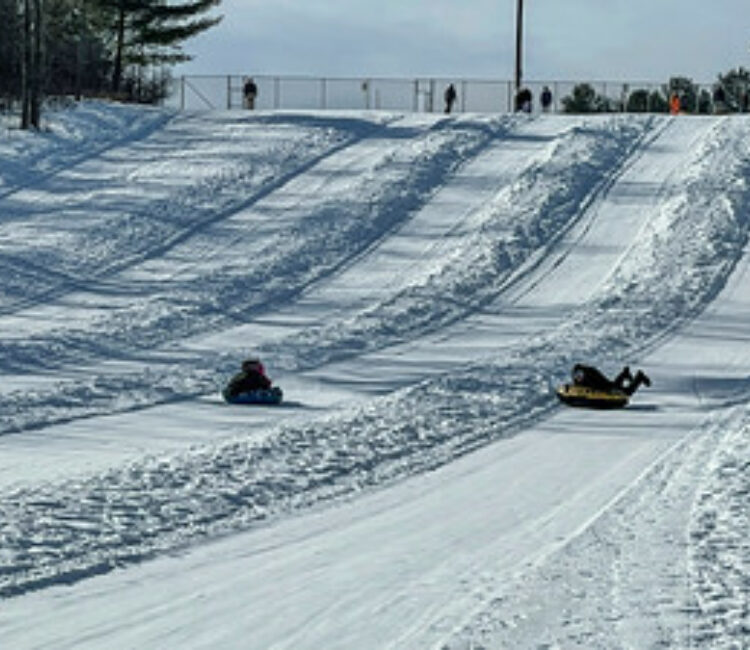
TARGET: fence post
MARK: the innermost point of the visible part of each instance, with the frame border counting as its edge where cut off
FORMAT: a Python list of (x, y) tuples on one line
[(182, 93), (510, 96), (366, 93), (464, 87), (229, 92), (556, 96)]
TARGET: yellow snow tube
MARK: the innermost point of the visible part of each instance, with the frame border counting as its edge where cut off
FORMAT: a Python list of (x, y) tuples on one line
[(575, 395)]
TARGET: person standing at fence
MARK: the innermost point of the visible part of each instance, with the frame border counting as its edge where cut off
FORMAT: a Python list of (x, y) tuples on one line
[(674, 104), (524, 100), (546, 99), (450, 97), (250, 91)]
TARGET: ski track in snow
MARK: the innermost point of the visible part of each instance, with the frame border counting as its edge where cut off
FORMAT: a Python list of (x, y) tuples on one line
[(718, 548), (74, 137), (515, 244), (158, 213), (599, 588)]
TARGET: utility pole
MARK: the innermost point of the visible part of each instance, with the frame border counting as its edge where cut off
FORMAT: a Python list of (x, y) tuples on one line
[(519, 44)]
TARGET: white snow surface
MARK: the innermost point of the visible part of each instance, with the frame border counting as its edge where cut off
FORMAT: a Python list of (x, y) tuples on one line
[(418, 285)]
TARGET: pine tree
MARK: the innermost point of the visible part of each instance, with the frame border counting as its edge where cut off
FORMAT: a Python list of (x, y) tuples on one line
[(585, 99), (638, 101), (150, 32), (736, 85), (10, 50), (77, 58), (65, 47)]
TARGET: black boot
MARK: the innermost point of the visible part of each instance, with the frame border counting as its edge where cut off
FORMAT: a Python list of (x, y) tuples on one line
[(640, 378)]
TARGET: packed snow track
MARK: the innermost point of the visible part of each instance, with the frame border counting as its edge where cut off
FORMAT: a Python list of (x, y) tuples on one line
[(418, 285)]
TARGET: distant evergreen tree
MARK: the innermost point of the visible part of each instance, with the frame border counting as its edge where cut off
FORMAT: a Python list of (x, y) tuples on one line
[(704, 102), (65, 47), (150, 32), (77, 59), (736, 84), (658, 102), (642, 100), (638, 101), (585, 99), (10, 50), (581, 100)]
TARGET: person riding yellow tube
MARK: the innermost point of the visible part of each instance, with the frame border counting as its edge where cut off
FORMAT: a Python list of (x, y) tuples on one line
[(590, 388)]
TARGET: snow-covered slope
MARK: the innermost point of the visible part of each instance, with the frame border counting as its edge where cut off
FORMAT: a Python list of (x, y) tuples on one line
[(418, 285)]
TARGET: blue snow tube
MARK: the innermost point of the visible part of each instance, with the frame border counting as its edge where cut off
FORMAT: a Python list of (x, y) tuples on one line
[(272, 395)]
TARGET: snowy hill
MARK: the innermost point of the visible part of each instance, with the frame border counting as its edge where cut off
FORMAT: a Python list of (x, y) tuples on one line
[(418, 285)]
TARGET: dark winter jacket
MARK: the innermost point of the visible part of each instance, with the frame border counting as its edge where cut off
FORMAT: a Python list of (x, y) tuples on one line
[(592, 378), (251, 89), (625, 382), (524, 100), (546, 98), (246, 381), (450, 96)]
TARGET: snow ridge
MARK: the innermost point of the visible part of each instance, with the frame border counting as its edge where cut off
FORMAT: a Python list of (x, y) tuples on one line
[(76, 135), (523, 220), (718, 551)]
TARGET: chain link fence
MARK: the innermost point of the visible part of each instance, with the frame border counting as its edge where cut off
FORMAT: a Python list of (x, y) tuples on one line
[(208, 92)]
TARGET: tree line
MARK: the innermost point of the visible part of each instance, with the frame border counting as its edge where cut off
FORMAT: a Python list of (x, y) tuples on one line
[(730, 93), (117, 48)]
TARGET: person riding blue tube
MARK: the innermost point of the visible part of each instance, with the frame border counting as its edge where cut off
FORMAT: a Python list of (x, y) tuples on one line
[(251, 378)]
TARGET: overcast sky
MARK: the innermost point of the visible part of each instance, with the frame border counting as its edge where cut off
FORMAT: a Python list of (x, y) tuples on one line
[(636, 40)]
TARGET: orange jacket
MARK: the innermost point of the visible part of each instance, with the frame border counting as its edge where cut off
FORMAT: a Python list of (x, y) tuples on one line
[(674, 104)]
